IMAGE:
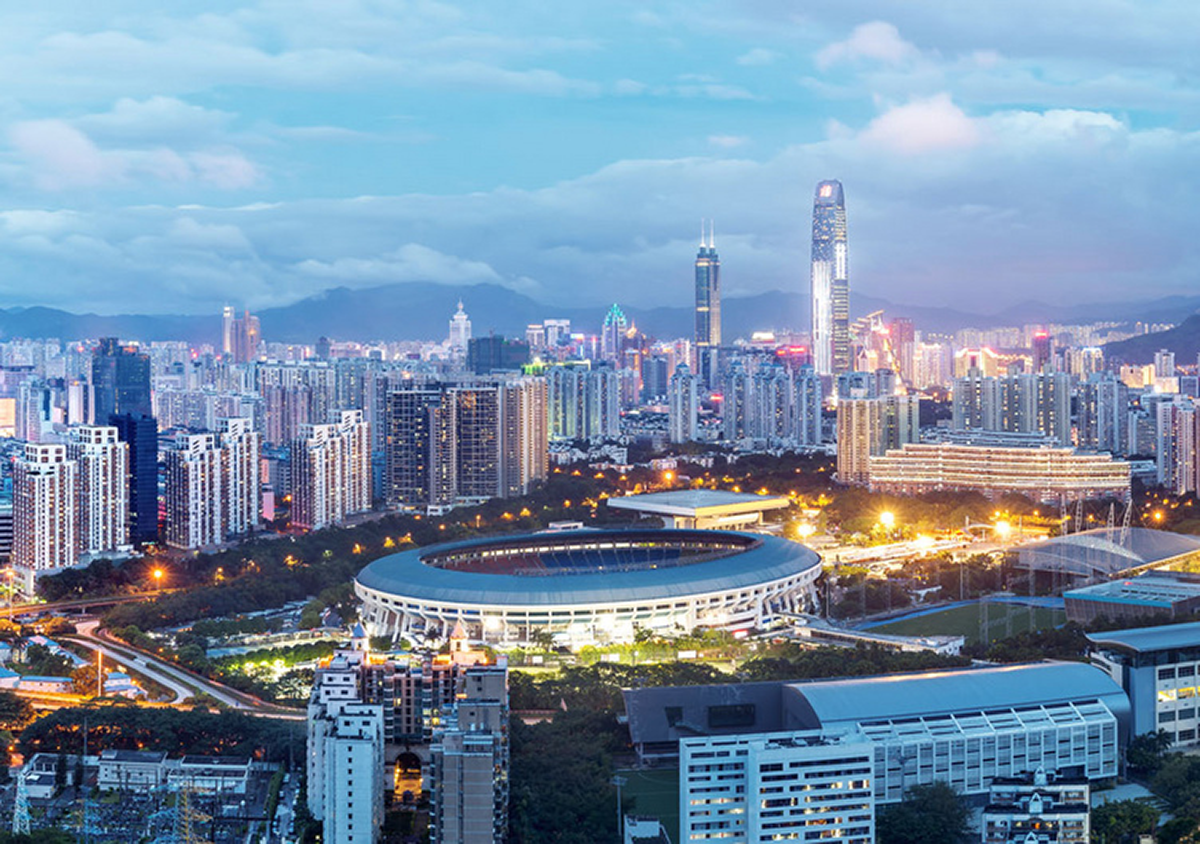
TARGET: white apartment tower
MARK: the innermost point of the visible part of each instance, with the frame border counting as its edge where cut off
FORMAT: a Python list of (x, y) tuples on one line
[(103, 488), (195, 485), (331, 471), (684, 414), (240, 446), (45, 532)]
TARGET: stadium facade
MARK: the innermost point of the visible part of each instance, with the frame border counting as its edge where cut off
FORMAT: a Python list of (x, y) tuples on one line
[(588, 587)]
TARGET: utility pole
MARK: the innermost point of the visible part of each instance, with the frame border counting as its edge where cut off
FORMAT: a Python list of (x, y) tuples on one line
[(619, 781)]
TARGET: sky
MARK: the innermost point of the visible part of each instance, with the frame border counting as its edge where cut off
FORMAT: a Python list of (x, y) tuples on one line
[(156, 158)]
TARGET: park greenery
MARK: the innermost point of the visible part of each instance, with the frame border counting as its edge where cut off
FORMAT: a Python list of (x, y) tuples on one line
[(928, 814), (175, 731)]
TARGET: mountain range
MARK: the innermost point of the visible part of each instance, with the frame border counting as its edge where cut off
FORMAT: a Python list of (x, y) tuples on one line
[(421, 311)]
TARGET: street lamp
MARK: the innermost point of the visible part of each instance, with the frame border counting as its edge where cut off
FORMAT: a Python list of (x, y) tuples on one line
[(887, 519), (158, 576)]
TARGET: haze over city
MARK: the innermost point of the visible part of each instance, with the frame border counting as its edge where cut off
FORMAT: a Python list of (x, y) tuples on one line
[(170, 161)]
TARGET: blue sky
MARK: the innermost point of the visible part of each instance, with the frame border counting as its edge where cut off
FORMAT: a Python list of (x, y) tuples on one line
[(157, 159)]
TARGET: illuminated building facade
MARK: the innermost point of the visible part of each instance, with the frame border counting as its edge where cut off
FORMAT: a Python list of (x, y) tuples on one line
[(830, 282), (460, 330), (867, 428), (45, 531), (103, 476), (683, 418), (1042, 474), (708, 309), (331, 471)]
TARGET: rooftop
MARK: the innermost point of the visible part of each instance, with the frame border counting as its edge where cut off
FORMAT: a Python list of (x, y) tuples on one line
[(695, 502), (1108, 551), (1154, 589), (1145, 639)]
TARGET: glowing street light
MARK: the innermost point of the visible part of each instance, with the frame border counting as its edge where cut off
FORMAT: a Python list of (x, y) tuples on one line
[(158, 576), (804, 531), (887, 519), (1002, 529)]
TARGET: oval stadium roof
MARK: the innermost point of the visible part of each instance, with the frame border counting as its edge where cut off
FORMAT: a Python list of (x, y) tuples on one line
[(766, 559)]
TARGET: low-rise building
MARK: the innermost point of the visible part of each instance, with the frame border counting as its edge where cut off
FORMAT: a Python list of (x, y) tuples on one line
[(1037, 808), (1158, 669), (779, 786), (1170, 594), (210, 774), (132, 770)]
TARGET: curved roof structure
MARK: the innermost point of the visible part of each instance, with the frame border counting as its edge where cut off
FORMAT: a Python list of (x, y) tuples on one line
[(899, 696), (1108, 551), (1149, 639), (736, 561)]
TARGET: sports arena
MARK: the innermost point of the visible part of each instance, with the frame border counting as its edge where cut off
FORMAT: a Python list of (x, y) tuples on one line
[(587, 586)]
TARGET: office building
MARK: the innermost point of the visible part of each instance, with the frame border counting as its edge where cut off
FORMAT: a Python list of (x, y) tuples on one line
[(830, 284), (965, 727), (1041, 351), (1037, 808), (1042, 474), (868, 428), (1158, 669), (102, 462), (120, 381), (460, 331), (140, 436), (45, 530), (331, 471), (683, 414), (612, 334), (496, 354), (762, 787), (468, 763), (708, 309)]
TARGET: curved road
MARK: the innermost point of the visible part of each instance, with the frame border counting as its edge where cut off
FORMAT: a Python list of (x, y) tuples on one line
[(181, 682)]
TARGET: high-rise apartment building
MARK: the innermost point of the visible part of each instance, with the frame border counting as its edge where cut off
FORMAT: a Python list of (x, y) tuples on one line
[(465, 441), (869, 427), (240, 445), (212, 485), (120, 381), (345, 754), (331, 471), (1024, 404), (708, 309), (45, 529), (102, 462), (683, 416), (584, 404), (245, 335), (468, 765), (194, 485), (830, 284)]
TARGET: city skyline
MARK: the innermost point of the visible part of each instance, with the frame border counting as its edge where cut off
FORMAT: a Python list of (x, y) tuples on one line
[(173, 163)]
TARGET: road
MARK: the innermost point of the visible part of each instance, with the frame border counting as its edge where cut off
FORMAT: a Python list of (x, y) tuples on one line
[(12, 610), (180, 681)]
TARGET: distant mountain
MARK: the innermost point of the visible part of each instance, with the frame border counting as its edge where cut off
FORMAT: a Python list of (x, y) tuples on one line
[(1183, 340), (421, 311)]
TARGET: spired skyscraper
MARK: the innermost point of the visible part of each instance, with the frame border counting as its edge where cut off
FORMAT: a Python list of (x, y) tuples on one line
[(830, 281), (708, 308)]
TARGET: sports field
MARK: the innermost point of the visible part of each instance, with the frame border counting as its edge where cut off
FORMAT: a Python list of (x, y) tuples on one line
[(655, 793), (1002, 619)]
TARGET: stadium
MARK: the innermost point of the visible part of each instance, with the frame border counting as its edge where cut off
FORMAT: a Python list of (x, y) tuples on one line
[(587, 586)]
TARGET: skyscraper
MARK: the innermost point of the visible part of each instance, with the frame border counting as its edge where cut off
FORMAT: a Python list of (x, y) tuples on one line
[(708, 308), (103, 486), (460, 330), (140, 434), (830, 281), (612, 333), (120, 381), (45, 528)]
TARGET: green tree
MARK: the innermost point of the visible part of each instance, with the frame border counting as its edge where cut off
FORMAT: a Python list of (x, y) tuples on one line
[(1122, 821), (1145, 752), (15, 712), (928, 814), (85, 681)]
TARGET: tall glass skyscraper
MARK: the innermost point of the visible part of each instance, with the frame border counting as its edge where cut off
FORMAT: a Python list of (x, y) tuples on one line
[(708, 308), (830, 281)]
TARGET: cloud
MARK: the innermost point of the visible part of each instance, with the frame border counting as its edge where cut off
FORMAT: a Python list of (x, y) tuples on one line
[(923, 126), (727, 141), (411, 262), (757, 57), (878, 40)]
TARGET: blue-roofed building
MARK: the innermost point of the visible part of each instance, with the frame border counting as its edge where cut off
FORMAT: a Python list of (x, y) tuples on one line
[(1163, 593), (965, 726), (588, 586), (1159, 669)]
